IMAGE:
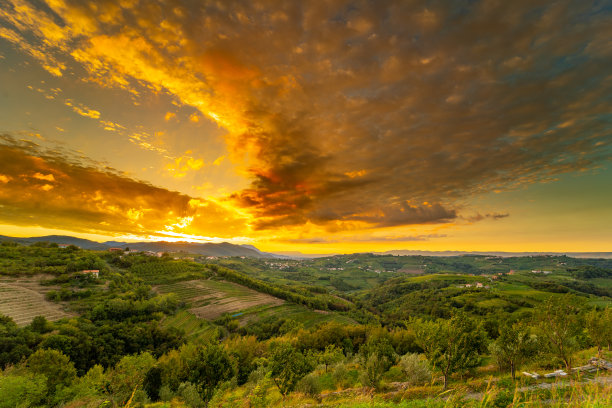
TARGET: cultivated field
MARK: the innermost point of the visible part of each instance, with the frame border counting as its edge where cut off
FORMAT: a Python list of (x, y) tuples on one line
[(308, 318), (195, 329), (23, 300), (209, 299)]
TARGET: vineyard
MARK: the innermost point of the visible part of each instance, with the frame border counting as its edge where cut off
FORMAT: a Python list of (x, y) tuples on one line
[(25, 300), (196, 330), (156, 273), (306, 317), (209, 299)]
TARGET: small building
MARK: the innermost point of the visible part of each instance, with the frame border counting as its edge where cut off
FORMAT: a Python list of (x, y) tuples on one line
[(94, 273), (115, 249), (479, 285)]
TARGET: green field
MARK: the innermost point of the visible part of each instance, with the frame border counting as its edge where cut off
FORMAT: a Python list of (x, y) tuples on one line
[(195, 329), (210, 299), (301, 314)]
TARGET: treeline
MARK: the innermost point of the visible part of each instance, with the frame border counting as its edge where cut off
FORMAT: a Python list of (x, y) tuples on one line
[(48, 258)]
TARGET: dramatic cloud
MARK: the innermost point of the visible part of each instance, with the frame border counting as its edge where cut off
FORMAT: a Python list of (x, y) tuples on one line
[(348, 113), (55, 190)]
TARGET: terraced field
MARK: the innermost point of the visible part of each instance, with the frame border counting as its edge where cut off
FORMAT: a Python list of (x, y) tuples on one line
[(308, 318), (209, 299), (23, 303), (196, 330)]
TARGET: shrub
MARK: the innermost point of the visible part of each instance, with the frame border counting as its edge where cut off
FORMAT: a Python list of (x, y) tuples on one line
[(165, 393), (310, 386), (415, 369), (189, 393)]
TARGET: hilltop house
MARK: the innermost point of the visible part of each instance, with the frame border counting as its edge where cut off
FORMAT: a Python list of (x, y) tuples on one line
[(94, 273)]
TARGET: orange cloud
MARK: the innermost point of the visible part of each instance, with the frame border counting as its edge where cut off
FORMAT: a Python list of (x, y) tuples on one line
[(344, 116), (87, 197)]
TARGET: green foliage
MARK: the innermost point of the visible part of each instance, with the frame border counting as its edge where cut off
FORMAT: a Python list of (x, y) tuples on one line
[(599, 327), (287, 366), (258, 397), (22, 391), (452, 345), (40, 325), (126, 336), (331, 355), (128, 375), (153, 382), (189, 393), (54, 365), (93, 383), (15, 343), (559, 325), (513, 346), (415, 369), (304, 297), (211, 365), (310, 386)]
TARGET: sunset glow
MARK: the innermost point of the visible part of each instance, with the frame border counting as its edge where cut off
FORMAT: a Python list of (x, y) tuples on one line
[(342, 126)]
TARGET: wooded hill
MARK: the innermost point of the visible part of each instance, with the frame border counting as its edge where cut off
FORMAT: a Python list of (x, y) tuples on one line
[(338, 331)]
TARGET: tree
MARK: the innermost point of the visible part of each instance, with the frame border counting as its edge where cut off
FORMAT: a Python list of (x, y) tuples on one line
[(287, 366), (512, 346), (452, 345), (330, 356), (128, 375), (22, 391), (40, 325), (211, 366), (559, 324), (599, 327), (54, 365), (153, 382), (378, 357)]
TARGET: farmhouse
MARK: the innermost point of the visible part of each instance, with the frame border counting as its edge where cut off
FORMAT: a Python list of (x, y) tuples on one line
[(115, 250), (90, 272)]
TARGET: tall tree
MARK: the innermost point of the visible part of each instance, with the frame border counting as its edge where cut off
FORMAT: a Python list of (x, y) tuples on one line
[(513, 345), (54, 365), (210, 367), (559, 324), (452, 345), (599, 327), (288, 366)]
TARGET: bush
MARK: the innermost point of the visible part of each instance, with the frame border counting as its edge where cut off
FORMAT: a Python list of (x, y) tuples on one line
[(165, 393), (189, 393), (415, 369), (310, 386)]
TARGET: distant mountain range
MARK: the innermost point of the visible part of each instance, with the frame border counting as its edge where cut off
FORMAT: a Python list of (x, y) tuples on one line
[(205, 249), (227, 249)]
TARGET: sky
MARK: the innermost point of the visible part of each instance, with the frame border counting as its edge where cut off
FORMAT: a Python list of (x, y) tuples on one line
[(320, 127)]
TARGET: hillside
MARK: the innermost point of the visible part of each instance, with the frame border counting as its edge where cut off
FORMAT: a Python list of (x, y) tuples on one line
[(204, 249), (327, 332)]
